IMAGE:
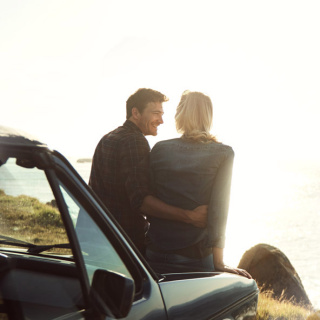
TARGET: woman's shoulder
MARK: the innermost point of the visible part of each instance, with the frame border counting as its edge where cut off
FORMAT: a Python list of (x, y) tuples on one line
[(191, 143), (192, 146), (166, 143), (225, 150), (222, 146)]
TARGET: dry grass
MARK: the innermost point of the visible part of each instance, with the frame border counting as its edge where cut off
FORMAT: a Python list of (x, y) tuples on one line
[(281, 309), (314, 316)]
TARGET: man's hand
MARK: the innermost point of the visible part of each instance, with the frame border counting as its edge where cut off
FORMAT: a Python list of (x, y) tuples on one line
[(152, 206), (198, 216)]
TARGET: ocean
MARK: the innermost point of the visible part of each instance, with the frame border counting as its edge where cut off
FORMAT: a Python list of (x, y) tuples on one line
[(279, 206)]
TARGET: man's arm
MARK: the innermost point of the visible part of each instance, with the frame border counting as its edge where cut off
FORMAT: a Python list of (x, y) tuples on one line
[(135, 168), (153, 206)]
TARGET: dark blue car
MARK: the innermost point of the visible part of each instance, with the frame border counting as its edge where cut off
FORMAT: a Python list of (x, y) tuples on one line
[(63, 256)]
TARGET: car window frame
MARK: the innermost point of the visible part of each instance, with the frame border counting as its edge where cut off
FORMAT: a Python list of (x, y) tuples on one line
[(74, 244), (42, 160), (101, 216)]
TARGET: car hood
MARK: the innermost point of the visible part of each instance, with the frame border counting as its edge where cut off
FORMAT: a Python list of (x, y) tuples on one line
[(204, 295)]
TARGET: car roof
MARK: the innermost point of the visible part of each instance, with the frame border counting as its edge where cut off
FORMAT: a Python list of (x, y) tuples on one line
[(14, 137)]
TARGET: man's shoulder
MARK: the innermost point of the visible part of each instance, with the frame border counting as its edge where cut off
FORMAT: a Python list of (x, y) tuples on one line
[(116, 134), (123, 134), (121, 141)]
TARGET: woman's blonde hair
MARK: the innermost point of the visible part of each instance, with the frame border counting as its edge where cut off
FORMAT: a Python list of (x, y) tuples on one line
[(194, 117)]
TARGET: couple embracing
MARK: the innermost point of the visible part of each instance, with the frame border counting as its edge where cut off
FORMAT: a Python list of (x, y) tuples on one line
[(173, 201)]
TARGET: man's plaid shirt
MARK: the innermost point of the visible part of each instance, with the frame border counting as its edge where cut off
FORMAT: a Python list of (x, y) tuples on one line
[(120, 177)]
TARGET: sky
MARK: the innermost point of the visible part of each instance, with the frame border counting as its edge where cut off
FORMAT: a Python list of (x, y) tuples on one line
[(68, 67)]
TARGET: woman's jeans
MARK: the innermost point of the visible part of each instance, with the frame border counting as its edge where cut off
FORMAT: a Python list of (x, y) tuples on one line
[(171, 263)]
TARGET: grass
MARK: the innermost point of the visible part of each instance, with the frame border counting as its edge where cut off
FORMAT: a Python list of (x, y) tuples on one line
[(27, 219), (271, 309)]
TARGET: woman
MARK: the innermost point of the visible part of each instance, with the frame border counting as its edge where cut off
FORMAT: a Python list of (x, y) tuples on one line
[(187, 172)]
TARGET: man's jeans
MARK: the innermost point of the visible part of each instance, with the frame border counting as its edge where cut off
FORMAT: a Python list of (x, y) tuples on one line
[(171, 263)]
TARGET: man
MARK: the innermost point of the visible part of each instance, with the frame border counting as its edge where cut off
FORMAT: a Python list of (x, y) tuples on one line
[(120, 170)]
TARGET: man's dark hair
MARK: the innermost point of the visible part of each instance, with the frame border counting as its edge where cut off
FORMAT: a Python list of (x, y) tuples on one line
[(141, 98)]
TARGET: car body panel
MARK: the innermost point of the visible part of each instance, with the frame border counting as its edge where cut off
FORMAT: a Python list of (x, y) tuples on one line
[(197, 296)]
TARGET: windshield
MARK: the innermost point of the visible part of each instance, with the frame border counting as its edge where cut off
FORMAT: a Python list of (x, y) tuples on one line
[(29, 218)]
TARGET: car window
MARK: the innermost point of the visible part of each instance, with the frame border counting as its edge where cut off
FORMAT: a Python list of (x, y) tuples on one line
[(29, 217), (97, 251)]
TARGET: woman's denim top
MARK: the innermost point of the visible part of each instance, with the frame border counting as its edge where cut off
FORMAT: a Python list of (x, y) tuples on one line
[(187, 174)]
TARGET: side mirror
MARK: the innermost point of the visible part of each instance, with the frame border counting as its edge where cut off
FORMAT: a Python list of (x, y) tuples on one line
[(112, 293)]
